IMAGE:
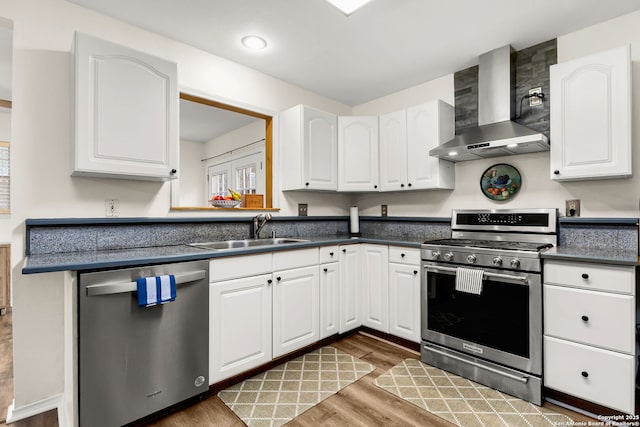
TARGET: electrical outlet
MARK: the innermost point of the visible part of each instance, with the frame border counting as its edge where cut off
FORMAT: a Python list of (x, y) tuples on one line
[(112, 207), (572, 207), (383, 210), (534, 100), (302, 209)]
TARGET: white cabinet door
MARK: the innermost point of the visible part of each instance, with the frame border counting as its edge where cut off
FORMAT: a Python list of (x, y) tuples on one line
[(375, 287), (309, 149), (358, 153), (393, 151), (404, 301), (239, 325), (126, 112), (329, 299), (350, 289), (296, 302), (429, 125), (591, 116)]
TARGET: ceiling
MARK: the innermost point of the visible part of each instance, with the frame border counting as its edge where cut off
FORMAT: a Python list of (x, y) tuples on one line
[(202, 123), (386, 46)]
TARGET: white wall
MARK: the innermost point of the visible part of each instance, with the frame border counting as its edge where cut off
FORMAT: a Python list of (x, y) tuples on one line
[(192, 185), (603, 198)]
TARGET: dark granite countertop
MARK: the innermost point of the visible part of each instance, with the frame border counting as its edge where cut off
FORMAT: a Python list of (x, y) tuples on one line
[(94, 260), (601, 256)]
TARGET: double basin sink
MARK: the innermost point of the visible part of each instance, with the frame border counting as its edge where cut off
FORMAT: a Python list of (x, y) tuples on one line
[(246, 243)]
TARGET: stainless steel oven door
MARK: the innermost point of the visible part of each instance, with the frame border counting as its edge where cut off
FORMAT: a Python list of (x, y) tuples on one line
[(502, 324)]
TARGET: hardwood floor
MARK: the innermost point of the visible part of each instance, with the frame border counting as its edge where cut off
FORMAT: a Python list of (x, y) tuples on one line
[(359, 404)]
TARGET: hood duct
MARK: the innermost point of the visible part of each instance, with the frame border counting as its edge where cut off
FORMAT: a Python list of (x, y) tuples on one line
[(496, 133)]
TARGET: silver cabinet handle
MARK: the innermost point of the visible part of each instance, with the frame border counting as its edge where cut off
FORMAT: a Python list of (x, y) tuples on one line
[(487, 275), (119, 288)]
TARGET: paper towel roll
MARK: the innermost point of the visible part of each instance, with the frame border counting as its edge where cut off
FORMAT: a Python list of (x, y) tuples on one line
[(354, 220)]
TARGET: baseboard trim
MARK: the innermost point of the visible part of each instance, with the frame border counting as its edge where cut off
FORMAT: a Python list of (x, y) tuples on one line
[(29, 410)]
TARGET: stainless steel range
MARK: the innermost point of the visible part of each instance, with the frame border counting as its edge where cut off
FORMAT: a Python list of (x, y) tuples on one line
[(481, 297)]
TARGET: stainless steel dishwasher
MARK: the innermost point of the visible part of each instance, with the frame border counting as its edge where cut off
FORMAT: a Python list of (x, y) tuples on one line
[(134, 361)]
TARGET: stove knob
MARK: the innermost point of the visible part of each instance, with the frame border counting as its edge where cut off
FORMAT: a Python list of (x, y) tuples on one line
[(448, 256), (435, 254), (497, 261), (471, 259), (515, 263)]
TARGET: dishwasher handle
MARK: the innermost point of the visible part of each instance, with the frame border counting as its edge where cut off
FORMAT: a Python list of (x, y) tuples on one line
[(119, 288)]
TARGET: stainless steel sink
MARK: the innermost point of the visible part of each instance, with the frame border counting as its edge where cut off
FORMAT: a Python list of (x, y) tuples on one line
[(247, 243)]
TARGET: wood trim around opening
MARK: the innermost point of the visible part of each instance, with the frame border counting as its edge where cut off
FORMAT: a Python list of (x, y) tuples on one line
[(268, 135)]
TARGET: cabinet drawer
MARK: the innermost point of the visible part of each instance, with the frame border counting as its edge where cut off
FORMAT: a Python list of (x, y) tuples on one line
[(612, 278), (596, 318), (600, 376), (234, 267), (402, 255), (329, 254), (294, 259)]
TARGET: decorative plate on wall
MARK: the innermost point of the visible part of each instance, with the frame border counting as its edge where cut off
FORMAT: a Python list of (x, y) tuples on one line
[(500, 182)]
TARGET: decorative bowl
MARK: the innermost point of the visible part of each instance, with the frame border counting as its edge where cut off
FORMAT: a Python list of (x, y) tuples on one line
[(224, 203)]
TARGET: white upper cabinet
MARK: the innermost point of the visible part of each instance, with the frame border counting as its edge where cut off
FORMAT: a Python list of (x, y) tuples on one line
[(358, 153), (309, 149), (126, 112), (406, 137), (429, 125), (393, 151), (591, 116)]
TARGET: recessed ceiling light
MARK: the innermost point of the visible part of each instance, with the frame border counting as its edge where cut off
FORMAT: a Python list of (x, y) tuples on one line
[(254, 42), (348, 6)]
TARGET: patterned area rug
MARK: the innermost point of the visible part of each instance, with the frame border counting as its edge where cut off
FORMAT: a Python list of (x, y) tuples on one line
[(278, 395), (463, 402)]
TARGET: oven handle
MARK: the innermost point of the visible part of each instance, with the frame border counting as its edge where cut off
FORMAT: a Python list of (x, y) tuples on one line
[(486, 274), (521, 379)]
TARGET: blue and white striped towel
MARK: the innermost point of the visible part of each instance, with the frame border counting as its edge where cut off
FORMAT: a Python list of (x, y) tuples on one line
[(469, 280), (156, 290)]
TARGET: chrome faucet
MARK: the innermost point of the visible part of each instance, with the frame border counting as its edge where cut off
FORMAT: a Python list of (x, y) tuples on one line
[(258, 222)]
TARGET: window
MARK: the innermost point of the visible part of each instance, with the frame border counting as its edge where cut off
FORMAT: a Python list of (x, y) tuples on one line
[(243, 173), (4, 178)]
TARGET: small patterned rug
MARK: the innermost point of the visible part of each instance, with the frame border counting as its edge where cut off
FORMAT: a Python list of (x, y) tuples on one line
[(278, 395), (461, 401)]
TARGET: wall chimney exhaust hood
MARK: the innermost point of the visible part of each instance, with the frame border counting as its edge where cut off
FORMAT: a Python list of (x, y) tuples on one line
[(496, 135)]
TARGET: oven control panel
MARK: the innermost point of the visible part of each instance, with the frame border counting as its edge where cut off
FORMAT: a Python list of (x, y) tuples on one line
[(467, 257)]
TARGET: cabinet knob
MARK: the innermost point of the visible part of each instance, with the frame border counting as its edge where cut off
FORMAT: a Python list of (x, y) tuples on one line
[(325, 269), (415, 271), (344, 250), (330, 253), (375, 186), (278, 278), (174, 171), (584, 374), (269, 281), (401, 185), (402, 255), (556, 172), (409, 184), (306, 184), (585, 276), (585, 318)]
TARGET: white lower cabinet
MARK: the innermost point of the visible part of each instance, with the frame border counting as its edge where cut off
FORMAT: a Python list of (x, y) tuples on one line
[(375, 287), (329, 291), (239, 325), (589, 332), (404, 301), (295, 309), (350, 288)]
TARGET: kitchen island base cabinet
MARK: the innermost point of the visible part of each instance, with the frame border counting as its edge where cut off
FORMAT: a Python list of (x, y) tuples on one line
[(240, 326)]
